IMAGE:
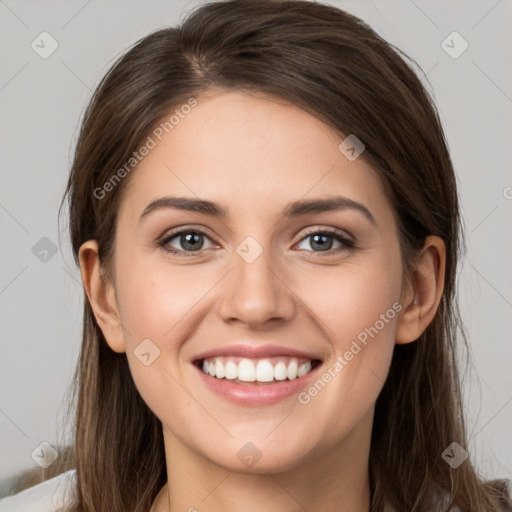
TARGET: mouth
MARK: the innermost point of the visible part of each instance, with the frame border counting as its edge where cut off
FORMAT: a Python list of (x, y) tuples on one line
[(263, 371), (250, 374)]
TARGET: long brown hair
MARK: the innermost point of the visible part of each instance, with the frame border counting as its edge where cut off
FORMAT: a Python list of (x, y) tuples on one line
[(336, 67)]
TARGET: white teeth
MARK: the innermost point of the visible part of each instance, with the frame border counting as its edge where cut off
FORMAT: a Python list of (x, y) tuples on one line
[(280, 371), (292, 369), (219, 370), (304, 368), (246, 370), (264, 371), (231, 370), (250, 370)]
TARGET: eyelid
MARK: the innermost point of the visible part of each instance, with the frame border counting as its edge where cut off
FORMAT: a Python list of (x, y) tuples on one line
[(196, 228), (328, 229), (164, 239)]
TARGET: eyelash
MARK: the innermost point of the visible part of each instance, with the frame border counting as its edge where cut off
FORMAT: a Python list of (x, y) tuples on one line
[(347, 244)]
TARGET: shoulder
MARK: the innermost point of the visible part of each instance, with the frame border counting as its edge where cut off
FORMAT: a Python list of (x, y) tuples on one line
[(48, 496)]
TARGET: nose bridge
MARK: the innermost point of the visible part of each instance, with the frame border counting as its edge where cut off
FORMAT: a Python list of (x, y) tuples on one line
[(256, 291)]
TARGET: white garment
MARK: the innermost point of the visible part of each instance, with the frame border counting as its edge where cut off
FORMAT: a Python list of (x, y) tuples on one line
[(48, 496)]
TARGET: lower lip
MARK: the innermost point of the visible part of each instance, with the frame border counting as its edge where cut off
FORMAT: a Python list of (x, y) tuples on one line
[(251, 394)]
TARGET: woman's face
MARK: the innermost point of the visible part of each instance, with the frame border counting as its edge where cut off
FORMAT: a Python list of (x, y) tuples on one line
[(267, 286)]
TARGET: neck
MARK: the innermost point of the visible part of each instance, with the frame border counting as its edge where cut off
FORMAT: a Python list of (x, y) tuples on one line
[(334, 478)]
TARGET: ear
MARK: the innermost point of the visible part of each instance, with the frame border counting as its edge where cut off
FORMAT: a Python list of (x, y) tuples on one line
[(101, 294), (424, 292)]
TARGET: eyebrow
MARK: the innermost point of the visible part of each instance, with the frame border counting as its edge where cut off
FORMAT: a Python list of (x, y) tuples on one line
[(295, 209)]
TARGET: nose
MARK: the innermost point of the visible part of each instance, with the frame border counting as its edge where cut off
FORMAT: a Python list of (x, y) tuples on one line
[(256, 292)]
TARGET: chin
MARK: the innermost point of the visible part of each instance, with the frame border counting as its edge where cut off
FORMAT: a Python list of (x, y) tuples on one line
[(258, 458)]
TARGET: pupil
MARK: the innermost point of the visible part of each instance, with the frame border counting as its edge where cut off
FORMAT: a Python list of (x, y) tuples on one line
[(322, 246), (189, 239)]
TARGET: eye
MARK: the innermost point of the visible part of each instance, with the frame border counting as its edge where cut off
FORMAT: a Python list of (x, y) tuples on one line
[(321, 241), (191, 240)]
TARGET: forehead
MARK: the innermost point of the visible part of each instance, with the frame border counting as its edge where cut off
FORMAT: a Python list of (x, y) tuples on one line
[(252, 153)]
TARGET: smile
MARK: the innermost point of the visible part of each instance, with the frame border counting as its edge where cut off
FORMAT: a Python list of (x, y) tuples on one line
[(260, 371), (256, 382)]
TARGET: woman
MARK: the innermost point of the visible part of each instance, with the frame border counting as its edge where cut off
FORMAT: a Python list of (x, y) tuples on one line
[(304, 357)]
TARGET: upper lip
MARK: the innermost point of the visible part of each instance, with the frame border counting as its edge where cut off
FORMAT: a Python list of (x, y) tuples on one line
[(252, 351)]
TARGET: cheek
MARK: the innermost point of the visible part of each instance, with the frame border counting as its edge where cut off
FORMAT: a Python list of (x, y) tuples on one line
[(358, 309), (349, 300), (154, 312), (157, 309), (155, 302)]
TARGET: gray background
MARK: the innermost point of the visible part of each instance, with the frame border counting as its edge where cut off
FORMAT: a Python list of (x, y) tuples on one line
[(41, 103)]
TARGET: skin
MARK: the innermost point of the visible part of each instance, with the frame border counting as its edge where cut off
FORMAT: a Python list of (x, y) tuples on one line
[(253, 155)]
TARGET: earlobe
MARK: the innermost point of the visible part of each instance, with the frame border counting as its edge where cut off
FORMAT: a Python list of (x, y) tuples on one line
[(100, 292), (425, 291)]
